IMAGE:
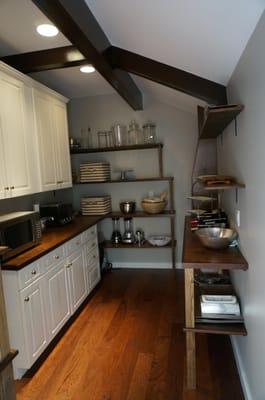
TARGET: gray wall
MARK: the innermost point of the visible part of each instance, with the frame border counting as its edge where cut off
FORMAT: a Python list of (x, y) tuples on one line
[(243, 156), (177, 129)]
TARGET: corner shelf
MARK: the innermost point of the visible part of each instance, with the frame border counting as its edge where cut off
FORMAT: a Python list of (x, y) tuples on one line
[(224, 187), (117, 148), (109, 245), (237, 329), (216, 119)]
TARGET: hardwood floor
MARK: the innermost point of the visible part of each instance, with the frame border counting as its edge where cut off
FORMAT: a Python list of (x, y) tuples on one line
[(128, 344)]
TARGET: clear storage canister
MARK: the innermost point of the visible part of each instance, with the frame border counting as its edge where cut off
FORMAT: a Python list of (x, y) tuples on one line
[(149, 131), (119, 134)]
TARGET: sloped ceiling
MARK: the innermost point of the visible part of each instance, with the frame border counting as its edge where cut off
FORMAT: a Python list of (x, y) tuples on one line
[(205, 37)]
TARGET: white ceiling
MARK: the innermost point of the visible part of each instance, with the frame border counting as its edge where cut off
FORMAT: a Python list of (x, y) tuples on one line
[(205, 37)]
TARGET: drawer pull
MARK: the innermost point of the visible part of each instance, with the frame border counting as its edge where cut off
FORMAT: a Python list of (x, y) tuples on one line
[(57, 257), (58, 182), (6, 188), (33, 272), (12, 187), (94, 244), (26, 299), (69, 265)]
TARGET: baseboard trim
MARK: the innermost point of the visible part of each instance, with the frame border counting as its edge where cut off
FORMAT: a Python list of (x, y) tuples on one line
[(121, 265), (241, 371)]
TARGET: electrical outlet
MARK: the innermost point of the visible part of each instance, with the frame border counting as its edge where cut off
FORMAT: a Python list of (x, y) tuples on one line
[(238, 218)]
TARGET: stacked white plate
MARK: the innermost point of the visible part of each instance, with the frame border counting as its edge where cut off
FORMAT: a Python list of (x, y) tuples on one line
[(94, 171), (100, 205)]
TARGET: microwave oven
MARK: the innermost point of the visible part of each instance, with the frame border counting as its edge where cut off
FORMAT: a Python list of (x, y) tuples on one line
[(19, 231)]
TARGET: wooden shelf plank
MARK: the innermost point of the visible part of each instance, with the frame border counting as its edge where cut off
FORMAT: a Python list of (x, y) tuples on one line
[(109, 245), (219, 329), (224, 187), (216, 119), (142, 214), (151, 179), (196, 256), (120, 148)]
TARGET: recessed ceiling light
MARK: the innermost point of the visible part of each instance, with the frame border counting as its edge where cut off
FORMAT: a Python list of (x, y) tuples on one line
[(87, 69), (48, 30)]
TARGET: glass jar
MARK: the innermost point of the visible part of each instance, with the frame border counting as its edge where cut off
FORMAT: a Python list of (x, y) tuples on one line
[(149, 130), (86, 140), (119, 134), (135, 135)]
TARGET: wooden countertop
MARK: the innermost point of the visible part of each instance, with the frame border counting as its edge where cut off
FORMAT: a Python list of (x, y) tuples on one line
[(52, 238), (195, 255)]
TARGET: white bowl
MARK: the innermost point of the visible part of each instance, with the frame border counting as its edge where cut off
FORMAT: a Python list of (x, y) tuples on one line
[(159, 240)]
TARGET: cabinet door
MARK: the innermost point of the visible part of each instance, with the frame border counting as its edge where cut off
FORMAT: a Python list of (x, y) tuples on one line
[(64, 174), (15, 126), (4, 191), (77, 279), (46, 140), (57, 298), (32, 304), (94, 276)]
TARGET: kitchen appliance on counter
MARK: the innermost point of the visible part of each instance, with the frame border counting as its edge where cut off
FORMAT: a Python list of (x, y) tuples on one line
[(62, 213), (116, 237), (128, 207), (19, 231), (128, 236)]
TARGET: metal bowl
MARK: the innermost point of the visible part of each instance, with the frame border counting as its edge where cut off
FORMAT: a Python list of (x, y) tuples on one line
[(216, 238), (127, 207)]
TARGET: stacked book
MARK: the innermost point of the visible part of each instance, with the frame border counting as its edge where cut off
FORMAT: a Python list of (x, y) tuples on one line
[(100, 205), (94, 171), (220, 308)]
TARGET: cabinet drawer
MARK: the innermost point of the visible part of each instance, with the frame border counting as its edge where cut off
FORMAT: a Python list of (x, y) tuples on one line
[(92, 257), (74, 244), (94, 276), (29, 274), (90, 234), (54, 257)]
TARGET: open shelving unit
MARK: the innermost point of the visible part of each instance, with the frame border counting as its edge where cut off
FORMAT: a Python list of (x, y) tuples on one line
[(170, 213), (216, 119), (196, 257)]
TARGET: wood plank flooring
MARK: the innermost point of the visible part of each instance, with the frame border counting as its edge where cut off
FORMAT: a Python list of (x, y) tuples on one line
[(128, 344)]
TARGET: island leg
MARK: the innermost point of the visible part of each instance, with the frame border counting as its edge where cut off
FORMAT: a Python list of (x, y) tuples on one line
[(190, 323)]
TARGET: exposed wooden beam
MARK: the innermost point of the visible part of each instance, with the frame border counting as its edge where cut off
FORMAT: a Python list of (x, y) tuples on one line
[(77, 23), (44, 60), (209, 91)]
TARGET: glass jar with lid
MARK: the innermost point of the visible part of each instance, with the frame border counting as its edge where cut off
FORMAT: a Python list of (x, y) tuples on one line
[(135, 135), (149, 131)]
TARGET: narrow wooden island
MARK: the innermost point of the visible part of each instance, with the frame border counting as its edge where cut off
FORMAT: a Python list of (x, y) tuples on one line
[(196, 256)]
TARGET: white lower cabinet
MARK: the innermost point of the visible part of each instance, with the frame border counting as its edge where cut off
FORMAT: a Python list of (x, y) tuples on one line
[(32, 300), (77, 279), (57, 298), (41, 297)]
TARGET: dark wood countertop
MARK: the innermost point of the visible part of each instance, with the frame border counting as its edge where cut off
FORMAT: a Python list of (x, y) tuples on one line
[(52, 238), (195, 255)]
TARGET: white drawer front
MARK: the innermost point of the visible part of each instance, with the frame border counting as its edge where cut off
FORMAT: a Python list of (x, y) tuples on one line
[(92, 257), (54, 257), (73, 244), (90, 234), (94, 276), (29, 274)]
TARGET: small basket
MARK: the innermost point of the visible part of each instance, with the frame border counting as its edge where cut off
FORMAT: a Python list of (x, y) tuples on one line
[(154, 208)]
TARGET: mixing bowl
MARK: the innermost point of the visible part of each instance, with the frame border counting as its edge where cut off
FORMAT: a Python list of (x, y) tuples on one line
[(216, 238)]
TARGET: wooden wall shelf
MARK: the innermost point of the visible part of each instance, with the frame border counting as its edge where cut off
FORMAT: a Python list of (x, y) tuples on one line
[(151, 179), (224, 187), (216, 119), (120, 148), (142, 214), (219, 329), (109, 245)]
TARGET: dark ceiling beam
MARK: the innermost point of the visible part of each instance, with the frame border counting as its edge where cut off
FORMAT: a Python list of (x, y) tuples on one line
[(79, 26), (193, 85), (44, 60)]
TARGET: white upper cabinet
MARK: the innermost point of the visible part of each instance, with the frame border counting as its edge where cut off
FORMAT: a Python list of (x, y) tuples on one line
[(17, 138), (53, 143), (34, 146)]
